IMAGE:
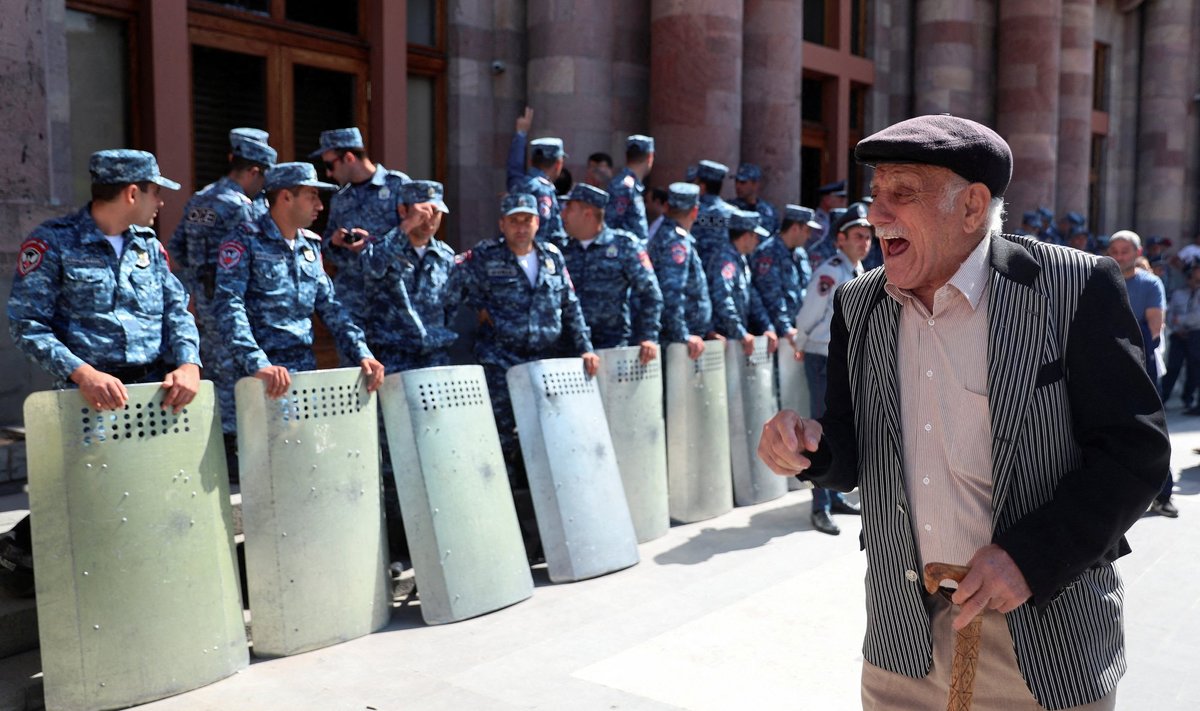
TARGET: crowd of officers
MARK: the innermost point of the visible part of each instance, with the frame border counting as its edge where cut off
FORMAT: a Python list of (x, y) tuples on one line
[(99, 302)]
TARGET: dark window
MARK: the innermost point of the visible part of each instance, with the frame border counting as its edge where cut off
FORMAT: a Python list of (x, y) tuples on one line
[(815, 18), (261, 7), (422, 22), (1100, 78), (341, 16), (228, 91), (810, 175), (324, 99), (97, 72), (1096, 186), (812, 105), (858, 27)]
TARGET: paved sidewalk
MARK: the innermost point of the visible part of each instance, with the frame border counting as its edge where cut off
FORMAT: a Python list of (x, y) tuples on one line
[(752, 610)]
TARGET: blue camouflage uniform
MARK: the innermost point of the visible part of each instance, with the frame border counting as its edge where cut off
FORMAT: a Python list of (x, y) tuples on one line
[(539, 185), (687, 310), (711, 228), (822, 244), (737, 307), (369, 205), (411, 302), (268, 291), (767, 214), (75, 301), (608, 273), (256, 135), (519, 322), (776, 278), (627, 209), (209, 217)]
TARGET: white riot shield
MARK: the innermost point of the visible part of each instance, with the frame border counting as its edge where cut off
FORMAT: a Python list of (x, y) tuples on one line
[(457, 507), (699, 481), (316, 551), (633, 405), (576, 487), (137, 588), (793, 391), (750, 387)]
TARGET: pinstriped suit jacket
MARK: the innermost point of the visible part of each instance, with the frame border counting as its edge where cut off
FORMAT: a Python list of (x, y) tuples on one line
[(1079, 449)]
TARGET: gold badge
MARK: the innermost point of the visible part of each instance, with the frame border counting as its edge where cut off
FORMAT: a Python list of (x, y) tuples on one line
[(549, 265), (143, 259), (309, 255)]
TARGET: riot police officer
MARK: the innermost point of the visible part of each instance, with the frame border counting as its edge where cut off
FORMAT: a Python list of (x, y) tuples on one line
[(738, 312), (627, 208)]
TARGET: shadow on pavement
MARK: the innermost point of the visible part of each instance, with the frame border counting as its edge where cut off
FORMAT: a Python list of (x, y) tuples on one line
[(1188, 483)]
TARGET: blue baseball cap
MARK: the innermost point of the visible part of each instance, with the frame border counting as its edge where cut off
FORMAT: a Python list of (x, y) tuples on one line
[(709, 170), (1075, 219), (683, 196), (746, 221), (294, 175), (253, 150), (645, 144), (514, 203), (749, 171), (254, 134), (801, 214), (125, 165), (1031, 217), (589, 194), (691, 172), (335, 139), (416, 192), (548, 147)]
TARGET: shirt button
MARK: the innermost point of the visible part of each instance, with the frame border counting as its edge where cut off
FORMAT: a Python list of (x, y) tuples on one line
[(929, 374), (925, 481), (928, 427), (930, 322), (910, 576), (928, 527)]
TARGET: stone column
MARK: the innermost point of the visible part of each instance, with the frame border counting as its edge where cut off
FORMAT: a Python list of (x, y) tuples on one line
[(570, 76), (890, 98), (1075, 106), (630, 77), (695, 83), (944, 77), (171, 109), (1165, 101), (1027, 98), (389, 83), (771, 95)]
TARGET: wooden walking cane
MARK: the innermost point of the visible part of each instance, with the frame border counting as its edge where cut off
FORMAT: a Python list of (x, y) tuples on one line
[(966, 643)]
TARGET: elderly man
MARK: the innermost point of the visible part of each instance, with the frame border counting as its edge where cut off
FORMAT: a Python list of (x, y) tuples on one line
[(987, 396)]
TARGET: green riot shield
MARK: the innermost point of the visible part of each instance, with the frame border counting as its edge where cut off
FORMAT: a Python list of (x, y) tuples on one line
[(316, 552), (137, 589), (633, 405), (457, 507), (750, 388), (699, 480)]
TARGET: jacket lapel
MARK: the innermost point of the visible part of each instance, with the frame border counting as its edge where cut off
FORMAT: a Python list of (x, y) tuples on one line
[(880, 359), (1017, 313)]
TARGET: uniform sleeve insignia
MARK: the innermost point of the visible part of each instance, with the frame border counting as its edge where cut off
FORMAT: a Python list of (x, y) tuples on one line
[(229, 255), (163, 251), (645, 260), (825, 284), (464, 257), (728, 271), (204, 216), (678, 253), (764, 266), (545, 203), (30, 256)]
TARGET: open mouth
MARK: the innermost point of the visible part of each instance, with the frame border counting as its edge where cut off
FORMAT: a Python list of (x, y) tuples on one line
[(894, 246)]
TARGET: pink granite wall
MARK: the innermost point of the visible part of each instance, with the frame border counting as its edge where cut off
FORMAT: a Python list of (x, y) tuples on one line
[(1075, 105)]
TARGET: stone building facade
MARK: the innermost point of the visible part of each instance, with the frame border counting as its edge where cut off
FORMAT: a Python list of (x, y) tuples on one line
[(1098, 98)]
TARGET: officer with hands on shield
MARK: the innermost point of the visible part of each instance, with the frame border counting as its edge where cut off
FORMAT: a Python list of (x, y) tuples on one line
[(687, 310), (711, 228), (270, 279), (95, 304), (738, 311), (407, 273), (609, 268), (776, 273)]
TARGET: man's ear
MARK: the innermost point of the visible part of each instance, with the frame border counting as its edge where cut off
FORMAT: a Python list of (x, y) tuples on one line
[(130, 193), (975, 207)]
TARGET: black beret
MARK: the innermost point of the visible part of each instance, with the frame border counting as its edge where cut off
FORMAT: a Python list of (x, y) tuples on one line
[(970, 149)]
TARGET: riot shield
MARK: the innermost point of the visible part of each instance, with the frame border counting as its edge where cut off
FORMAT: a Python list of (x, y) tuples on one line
[(137, 588), (750, 387), (457, 507), (316, 552), (633, 405), (578, 499), (699, 481), (793, 391)]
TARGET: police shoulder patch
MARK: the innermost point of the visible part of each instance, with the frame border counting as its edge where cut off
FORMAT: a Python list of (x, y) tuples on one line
[(229, 254), (545, 204), (644, 258), (29, 258), (764, 265), (825, 283), (728, 270), (628, 181), (679, 253)]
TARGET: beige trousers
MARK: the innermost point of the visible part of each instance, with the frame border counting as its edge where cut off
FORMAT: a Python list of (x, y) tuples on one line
[(998, 682)]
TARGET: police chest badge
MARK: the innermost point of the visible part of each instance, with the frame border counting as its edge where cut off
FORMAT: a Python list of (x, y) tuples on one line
[(678, 253), (143, 259), (825, 284), (764, 266), (229, 255), (308, 254), (611, 252), (384, 193), (30, 256)]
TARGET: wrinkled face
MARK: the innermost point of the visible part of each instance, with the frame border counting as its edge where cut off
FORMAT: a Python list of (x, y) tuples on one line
[(855, 242), (146, 204), (1124, 253), (518, 229), (922, 242), (306, 206), (746, 189)]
